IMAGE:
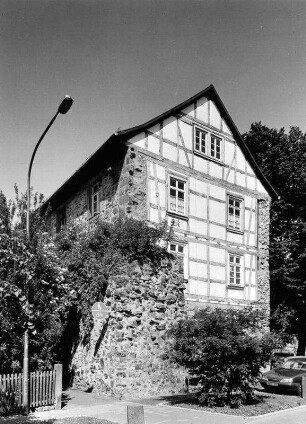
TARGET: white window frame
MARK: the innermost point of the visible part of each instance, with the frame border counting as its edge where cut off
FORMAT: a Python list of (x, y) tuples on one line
[(233, 223), (214, 147), (200, 138), (235, 270), (177, 190), (176, 248), (95, 198), (207, 144)]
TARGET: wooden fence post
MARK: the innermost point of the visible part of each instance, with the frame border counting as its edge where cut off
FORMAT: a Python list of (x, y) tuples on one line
[(58, 368), (303, 387)]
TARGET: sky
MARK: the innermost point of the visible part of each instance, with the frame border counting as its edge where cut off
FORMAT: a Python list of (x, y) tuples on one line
[(127, 61)]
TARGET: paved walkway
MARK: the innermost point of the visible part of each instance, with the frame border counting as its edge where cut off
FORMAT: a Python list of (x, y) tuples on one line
[(83, 404), (77, 403)]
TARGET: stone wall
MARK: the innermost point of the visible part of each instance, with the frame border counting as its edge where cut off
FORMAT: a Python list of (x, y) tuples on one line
[(127, 353), (123, 189), (133, 185), (263, 280)]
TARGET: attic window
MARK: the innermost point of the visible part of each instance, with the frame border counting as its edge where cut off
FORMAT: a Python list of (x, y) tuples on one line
[(207, 144), (61, 219), (215, 147), (95, 198)]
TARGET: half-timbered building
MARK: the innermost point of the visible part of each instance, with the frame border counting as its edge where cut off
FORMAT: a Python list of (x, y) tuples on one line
[(190, 167)]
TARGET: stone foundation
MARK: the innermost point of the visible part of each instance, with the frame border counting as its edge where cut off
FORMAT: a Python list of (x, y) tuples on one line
[(127, 353)]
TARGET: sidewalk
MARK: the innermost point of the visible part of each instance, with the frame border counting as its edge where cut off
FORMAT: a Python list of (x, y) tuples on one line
[(77, 403)]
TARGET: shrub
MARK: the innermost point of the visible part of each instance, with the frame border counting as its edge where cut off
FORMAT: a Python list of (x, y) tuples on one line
[(225, 350)]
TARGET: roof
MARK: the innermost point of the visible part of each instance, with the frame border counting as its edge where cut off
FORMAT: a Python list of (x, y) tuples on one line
[(116, 137)]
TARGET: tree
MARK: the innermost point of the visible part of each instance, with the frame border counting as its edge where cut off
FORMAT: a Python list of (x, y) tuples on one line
[(224, 349), (36, 264), (65, 275), (282, 158)]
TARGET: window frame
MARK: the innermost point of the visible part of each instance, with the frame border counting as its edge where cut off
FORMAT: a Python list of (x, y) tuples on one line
[(94, 211), (234, 284), (177, 245), (209, 137), (240, 199), (216, 138), (61, 215), (182, 179)]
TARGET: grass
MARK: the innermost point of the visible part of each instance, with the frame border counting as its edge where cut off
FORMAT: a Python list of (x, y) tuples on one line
[(264, 403)]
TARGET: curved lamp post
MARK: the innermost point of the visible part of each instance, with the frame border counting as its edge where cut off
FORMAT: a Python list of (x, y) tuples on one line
[(63, 109)]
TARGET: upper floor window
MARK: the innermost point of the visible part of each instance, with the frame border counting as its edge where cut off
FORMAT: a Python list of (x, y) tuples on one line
[(234, 213), (235, 269), (177, 196), (215, 147), (207, 144), (95, 198), (200, 141)]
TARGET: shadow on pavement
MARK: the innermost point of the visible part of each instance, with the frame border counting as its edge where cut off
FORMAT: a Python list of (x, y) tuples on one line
[(69, 420)]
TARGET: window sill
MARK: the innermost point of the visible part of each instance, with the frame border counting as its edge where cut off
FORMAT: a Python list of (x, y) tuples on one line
[(218, 161), (235, 287), (92, 217), (232, 230), (177, 215)]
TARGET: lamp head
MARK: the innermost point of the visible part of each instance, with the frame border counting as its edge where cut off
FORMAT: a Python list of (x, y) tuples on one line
[(65, 105)]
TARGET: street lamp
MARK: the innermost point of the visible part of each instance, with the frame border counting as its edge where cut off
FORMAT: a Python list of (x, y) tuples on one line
[(63, 109)]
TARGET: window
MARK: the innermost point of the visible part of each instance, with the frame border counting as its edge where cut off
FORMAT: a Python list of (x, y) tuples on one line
[(215, 147), (234, 215), (95, 199), (200, 140), (176, 248), (177, 193), (235, 264), (61, 219), (207, 144)]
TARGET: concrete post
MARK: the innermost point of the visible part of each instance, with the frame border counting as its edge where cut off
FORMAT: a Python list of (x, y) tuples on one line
[(135, 414), (303, 387), (58, 368)]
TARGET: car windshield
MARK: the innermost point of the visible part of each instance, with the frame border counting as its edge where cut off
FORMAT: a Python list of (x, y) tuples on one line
[(295, 364)]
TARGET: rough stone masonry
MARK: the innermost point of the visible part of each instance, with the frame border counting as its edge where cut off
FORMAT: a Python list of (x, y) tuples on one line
[(128, 350)]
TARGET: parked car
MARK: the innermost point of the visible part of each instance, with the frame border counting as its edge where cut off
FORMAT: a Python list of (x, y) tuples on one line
[(287, 376)]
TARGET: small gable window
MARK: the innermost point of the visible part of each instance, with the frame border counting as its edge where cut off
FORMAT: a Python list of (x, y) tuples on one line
[(207, 144), (61, 219), (200, 140), (215, 147), (95, 198)]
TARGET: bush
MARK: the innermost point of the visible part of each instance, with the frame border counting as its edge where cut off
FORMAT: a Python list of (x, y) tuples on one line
[(225, 350)]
